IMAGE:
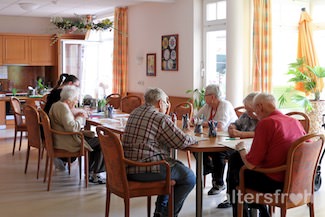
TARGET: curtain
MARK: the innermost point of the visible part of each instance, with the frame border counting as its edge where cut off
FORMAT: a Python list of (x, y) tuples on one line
[(120, 51), (262, 46), (306, 47)]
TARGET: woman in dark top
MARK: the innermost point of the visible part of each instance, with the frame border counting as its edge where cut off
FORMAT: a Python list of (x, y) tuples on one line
[(54, 96)]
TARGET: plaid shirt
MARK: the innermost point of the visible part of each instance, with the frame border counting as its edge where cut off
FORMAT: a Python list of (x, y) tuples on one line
[(245, 123), (148, 137)]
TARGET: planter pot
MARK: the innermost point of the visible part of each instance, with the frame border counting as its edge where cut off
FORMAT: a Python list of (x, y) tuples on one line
[(316, 117)]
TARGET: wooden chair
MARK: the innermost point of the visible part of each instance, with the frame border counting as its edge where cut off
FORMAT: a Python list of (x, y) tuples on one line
[(129, 103), (303, 119), (299, 170), (20, 125), (116, 177), (114, 100), (43, 101), (180, 110), (240, 110), (52, 153), (33, 134)]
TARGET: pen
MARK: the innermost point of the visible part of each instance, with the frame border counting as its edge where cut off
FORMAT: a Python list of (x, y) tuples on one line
[(231, 138)]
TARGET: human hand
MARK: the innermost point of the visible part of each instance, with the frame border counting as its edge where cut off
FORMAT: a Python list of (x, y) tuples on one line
[(234, 132), (240, 146)]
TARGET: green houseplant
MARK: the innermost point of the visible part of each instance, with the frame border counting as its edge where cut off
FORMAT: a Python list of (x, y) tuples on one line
[(197, 97), (307, 84)]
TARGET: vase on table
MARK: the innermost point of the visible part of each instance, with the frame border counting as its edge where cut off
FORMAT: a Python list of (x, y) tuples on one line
[(316, 116)]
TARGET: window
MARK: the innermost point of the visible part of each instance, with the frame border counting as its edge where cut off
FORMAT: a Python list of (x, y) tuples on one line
[(91, 61), (215, 43), (285, 38)]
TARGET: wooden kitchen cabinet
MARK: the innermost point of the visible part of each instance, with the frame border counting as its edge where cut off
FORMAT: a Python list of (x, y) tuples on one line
[(15, 49), (1, 61), (34, 50), (41, 52)]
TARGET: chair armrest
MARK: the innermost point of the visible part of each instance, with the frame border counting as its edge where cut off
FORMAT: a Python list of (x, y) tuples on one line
[(67, 133)]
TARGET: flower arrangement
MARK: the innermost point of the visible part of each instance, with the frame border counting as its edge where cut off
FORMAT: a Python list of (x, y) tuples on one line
[(198, 98), (308, 81), (82, 24), (79, 24)]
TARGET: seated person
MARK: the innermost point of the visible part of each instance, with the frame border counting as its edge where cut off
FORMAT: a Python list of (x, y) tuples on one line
[(53, 97), (274, 134), (243, 127), (149, 136), (223, 112), (65, 117)]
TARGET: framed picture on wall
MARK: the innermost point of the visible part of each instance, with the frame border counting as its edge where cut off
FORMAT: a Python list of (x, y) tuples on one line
[(169, 52), (151, 64)]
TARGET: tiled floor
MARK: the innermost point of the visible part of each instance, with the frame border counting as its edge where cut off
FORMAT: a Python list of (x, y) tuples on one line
[(22, 195)]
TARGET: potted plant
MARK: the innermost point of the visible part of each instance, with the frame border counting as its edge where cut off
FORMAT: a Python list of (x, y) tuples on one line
[(307, 84), (197, 98)]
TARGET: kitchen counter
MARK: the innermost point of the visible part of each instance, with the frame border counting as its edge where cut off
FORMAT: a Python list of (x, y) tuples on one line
[(3, 100)]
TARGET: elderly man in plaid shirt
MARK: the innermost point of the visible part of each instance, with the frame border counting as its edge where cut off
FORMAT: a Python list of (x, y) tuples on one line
[(149, 136)]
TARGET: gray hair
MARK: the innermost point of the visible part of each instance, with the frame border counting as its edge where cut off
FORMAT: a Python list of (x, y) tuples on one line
[(249, 98), (265, 98), (153, 95), (213, 89), (69, 92)]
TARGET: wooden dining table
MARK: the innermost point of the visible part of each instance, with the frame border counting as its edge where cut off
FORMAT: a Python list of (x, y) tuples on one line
[(205, 144), (116, 123)]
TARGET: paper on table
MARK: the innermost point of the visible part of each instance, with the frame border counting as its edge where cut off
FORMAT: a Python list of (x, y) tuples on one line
[(199, 138), (222, 133), (232, 143)]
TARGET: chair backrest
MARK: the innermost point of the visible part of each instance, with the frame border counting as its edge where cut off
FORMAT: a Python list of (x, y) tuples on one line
[(240, 110), (46, 124), (43, 101), (114, 100), (33, 126), (303, 119), (114, 160), (303, 157), (182, 109), (16, 107), (129, 103)]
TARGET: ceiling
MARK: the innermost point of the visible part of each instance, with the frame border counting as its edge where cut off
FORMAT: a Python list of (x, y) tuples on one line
[(67, 8)]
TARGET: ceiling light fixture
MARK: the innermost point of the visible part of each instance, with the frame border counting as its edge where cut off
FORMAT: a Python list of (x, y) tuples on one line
[(28, 6)]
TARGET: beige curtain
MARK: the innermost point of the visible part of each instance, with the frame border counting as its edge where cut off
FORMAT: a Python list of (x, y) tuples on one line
[(306, 47), (262, 46), (120, 51)]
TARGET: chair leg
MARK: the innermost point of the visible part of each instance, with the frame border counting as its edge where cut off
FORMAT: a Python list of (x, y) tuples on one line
[(148, 206), (127, 207), (46, 166), (108, 201), (171, 203), (283, 212), (311, 209), (50, 175), (21, 138), (69, 165), (86, 168), (240, 205), (27, 158), (188, 153), (38, 162), (204, 180), (13, 149)]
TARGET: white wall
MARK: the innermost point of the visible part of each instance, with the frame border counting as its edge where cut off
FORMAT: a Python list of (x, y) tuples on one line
[(147, 23), (26, 25)]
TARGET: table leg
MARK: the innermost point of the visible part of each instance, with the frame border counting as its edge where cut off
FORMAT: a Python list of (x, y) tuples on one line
[(199, 174)]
